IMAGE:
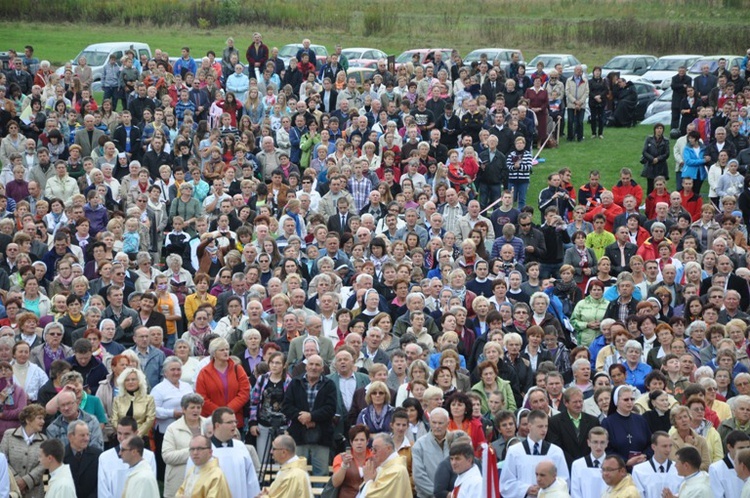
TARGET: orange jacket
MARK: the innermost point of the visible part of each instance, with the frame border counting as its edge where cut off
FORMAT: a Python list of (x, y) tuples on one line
[(611, 212), (620, 191), (210, 386)]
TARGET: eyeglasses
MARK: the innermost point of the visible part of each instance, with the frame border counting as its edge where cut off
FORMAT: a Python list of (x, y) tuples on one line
[(379, 393), (200, 448), (525, 224), (54, 334)]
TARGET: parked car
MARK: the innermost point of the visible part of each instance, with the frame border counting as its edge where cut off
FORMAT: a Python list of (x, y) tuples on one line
[(663, 117), (666, 67), (360, 74), (647, 93), (97, 55), (288, 51), (363, 57), (628, 64), (425, 55), (713, 63), (502, 56), (568, 61), (4, 61), (663, 103)]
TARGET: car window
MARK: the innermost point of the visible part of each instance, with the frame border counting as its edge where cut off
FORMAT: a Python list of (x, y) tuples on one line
[(118, 55), (370, 54)]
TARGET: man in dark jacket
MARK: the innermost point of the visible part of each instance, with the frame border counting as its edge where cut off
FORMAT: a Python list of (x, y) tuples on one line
[(569, 429), (625, 305), (92, 370), (533, 239), (449, 125), (312, 424), (680, 82), (156, 157), (555, 236), (620, 252), (83, 460), (493, 173)]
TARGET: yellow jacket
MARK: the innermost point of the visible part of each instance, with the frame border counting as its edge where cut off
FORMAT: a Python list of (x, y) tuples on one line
[(144, 410)]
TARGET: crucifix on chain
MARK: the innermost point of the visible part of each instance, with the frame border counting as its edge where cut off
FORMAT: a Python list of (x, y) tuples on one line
[(630, 439)]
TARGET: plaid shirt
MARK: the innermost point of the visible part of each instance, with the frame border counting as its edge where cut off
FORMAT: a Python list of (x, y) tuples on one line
[(360, 190), (256, 395), (312, 391)]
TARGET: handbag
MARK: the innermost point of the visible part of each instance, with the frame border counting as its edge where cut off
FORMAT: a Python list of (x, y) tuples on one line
[(329, 491)]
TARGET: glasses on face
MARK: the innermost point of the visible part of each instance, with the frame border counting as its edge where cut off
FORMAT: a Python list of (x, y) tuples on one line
[(199, 448), (525, 224), (378, 393)]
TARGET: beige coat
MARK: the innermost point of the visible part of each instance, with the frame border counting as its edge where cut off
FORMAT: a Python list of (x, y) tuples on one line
[(23, 460), (175, 453), (144, 411)]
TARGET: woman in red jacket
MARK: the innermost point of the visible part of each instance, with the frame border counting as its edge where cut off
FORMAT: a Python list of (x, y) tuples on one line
[(659, 194), (461, 410), (223, 383)]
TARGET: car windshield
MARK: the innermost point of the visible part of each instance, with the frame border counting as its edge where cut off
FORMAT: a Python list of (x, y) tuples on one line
[(620, 63), (696, 68), (668, 64), (352, 54), (666, 95), (289, 50), (92, 58), (547, 60), (476, 54), (405, 57)]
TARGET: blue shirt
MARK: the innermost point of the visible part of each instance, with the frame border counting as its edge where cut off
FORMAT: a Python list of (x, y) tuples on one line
[(637, 377)]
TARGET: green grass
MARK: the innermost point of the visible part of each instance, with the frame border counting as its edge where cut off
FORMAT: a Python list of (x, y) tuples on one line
[(620, 148)]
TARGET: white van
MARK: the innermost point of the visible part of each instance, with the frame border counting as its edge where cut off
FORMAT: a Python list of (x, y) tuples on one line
[(97, 55)]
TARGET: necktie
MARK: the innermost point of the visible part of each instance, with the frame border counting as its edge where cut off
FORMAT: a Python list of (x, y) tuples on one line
[(536, 448), (596, 464), (343, 222), (661, 468)]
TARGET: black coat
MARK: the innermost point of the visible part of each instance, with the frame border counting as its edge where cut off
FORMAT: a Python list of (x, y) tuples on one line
[(679, 89), (322, 411), (562, 432), (612, 251), (119, 138), (84, 470), (153, 161), (597, 86), (734, 282), (449, 128), (493, 172), (655, 149), (613, 309)]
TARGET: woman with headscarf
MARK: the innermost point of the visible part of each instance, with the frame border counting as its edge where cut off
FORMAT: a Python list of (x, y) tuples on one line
[(629, 433)]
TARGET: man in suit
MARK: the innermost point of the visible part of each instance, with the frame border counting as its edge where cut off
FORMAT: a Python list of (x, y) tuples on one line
[(83, 459), (20, 76), (328, 97), (668, 274), (569, 429), (630, 203), (491, 87), (725, 267), (313, 326), (239, 289), (348, 381), (88, 137), (620, 252), (127, 138), (339, 222)]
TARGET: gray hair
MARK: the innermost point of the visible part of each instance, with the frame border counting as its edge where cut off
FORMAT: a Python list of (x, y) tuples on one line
[(386, 438), (579, 363), (191, 399), (215, 345), (440, 411), (168, 361), (75, 425), (71, 377), (174, 258), (696, 324), (249, 333), (143, 257), (633, 344), (50, 326)]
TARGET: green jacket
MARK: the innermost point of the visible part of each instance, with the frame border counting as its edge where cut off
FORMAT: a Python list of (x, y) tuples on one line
[(504, 387), (306, 144), (587, 310)]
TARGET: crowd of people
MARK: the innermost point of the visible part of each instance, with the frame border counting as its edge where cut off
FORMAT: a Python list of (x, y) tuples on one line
[(262, 262)]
